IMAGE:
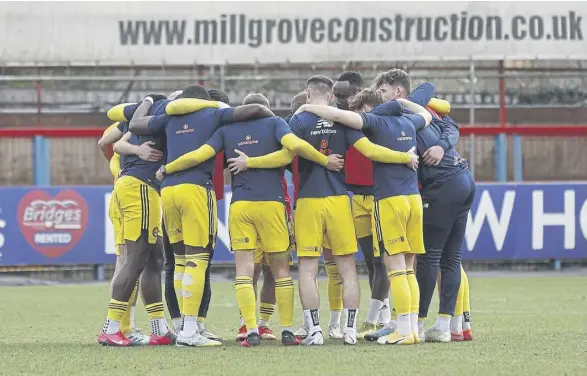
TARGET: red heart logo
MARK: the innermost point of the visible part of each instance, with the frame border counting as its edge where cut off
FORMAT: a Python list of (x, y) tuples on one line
[(52, 225)]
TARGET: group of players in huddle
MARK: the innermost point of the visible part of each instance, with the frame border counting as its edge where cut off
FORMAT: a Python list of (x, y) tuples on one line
[(392, 147)]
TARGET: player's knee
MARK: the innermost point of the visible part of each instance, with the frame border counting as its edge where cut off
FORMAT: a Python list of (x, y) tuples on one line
[(451, 263), (431, 257)]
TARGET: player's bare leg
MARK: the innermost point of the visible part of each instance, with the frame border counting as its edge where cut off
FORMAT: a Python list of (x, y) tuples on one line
[(245, 295), (350, 296), (310, 299), (267, 303), (192, 288), (171, 297), (284, 295), (335, 295), (397, 267), (151, 291), (379, 310), (123, 285)]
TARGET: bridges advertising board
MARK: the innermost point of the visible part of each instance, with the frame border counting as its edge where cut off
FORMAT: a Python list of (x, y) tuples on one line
[(70, 225)]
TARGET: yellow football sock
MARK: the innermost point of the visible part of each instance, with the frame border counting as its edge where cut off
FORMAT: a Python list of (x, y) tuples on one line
[(466, 297), (155, 312), (267, 309), (466, 300), (116, 310), (393, 314), (284, 296), (193, 283), (245, 296), (178, 279), (414, 291), (402, 297), (460, 297), (334, 286), (402, 300), (125, 325)]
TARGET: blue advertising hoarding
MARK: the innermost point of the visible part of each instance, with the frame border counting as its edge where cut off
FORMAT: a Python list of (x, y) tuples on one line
[(70, 225)]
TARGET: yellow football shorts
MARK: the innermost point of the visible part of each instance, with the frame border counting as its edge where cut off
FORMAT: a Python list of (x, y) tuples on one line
[(261, 256), (324, 218), (116, 219), (397, 225), (258, 225), (190, 215), (362, 212), (140, 208)]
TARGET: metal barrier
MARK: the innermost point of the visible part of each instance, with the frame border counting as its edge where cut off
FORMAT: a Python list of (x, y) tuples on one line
[(69, 156)]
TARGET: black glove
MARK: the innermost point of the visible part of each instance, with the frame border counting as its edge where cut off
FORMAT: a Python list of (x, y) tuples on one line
[(157, 97)]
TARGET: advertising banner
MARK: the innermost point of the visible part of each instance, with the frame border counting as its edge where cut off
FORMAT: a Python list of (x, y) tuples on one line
[(189, 33), (70, 225)]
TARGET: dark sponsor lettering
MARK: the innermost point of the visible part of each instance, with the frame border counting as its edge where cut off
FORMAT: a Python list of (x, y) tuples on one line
[(239, 29)]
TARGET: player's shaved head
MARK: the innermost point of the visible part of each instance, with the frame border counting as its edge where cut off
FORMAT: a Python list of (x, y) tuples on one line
[(319, 88), (256, 98), (298, 100), (365, 100), (348, 84), (219, 95), (195, 91), (352, 77), (393, 84)]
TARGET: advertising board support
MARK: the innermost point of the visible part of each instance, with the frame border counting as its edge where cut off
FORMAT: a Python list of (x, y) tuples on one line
[(473, 147), (41, 161)]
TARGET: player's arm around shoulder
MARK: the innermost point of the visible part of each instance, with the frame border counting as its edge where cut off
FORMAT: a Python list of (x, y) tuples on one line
[(122, 112), (110, 136), (250, 111), (418, 111), (184, 106), (349, 118), (382, 154), (145, 151), (142, 124)]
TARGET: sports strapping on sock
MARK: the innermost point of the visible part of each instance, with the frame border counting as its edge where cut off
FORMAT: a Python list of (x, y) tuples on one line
[(116, 310), (155, 312)]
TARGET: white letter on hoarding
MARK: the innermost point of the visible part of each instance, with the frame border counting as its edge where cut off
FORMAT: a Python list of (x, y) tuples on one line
[(2, 239), (540, 219), (583, 219), (497, 226)]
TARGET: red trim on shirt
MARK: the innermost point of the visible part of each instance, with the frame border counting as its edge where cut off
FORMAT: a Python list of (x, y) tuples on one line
[(358, 169), (218, 176)]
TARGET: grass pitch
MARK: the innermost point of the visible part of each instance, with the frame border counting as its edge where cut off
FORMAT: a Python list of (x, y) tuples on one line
[(521, 325)]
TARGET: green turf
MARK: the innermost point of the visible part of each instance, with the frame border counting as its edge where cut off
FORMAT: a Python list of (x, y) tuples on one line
[(522, 326)]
